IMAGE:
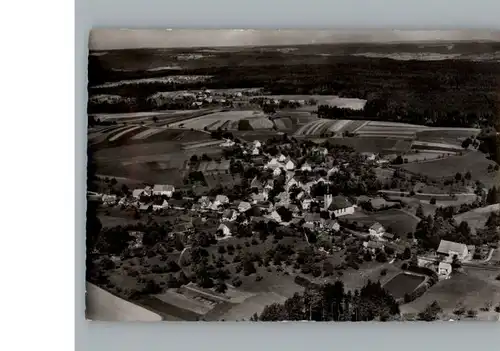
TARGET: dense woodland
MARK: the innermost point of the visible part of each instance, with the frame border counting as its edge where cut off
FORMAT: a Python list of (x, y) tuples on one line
[(453, 93)]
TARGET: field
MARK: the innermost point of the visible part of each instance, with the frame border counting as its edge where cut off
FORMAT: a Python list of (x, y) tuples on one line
[(330, 100), (102, 305), (473, 289), (475, 162), (402, 284), (453, 136), (227, 120), (402, 223), (477, 217)]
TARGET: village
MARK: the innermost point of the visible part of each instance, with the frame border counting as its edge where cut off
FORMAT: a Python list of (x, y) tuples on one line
[(328, 196)]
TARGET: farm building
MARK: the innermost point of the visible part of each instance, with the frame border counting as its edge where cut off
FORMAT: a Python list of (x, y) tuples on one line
[(376, 230), (444, 270), (306, 167), (450, 249), (340, 205), (160, 189)]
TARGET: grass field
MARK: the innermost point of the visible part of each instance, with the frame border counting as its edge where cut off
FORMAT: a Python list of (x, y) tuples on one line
[(215, 120), (403, 284), (475, 162), (473, 289), (401, 222), (477, 217), (453, 136)]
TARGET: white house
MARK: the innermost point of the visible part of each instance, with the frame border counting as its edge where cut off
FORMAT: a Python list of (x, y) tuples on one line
[(290, 184), (339, 205), (225, 229), (260, 197), (255, 151), (450, 249), (306, 167), (274, 216), (281, 158), (244, 206), (109, 199), (160, 189), (222, 199), (290, 165), (306, 204), (257, 144), (227, 143), (376, 230), (276, 172), (444, 270)]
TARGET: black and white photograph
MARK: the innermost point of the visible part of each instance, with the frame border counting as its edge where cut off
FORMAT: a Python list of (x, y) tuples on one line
[(293, 175)]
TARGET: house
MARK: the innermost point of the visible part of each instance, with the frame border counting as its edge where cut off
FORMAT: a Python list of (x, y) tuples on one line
[(312, 217), (289, 175), (109, 199), (292, 182), (274, 216), (224, 229), (137, 193), (244, 206), (388, 236), (229, 215), (444, 270), (256, 183), (331, 224), (369, 156), (222, 199), (260, 197), (332, 170), (294, 208), (290, 165), (205, 202), (281, 158), (257, 144), (161, 205), (306, 204), (146, 207), (276, 172), (273, 164), (227, 143), (160, 189), (255, 151), (269, 184), (376, 230), (308, 225), (340, 205), (306, 167), (450, 249), (373, 245), (283, 199)]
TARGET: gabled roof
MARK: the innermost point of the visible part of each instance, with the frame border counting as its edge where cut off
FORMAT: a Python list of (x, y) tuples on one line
[(446, 246), (221, 198), (137, 192), (377, 226), (256, 183), (163, 187), (339, 202), (312, 217)]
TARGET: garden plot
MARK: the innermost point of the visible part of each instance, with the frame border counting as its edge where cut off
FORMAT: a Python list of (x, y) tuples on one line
[(402, 284)]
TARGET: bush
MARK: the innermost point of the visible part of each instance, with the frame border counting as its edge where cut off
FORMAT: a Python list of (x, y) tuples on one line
[(258, 278), (236, 282), (383, 272)]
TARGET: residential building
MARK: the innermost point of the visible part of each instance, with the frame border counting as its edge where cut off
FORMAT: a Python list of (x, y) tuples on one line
[(373, 245), (244, 206), (377, 230), (290, 165), (306, 167), (444, 270), (109, 199), (256, 183), (205, 202), (160, 189), (229, 215), (160, 205), (222, 199), (227, 143), (137, 193), (450, 249)]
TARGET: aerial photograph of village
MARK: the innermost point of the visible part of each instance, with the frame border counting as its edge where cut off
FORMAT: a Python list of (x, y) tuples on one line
[(293, 176)]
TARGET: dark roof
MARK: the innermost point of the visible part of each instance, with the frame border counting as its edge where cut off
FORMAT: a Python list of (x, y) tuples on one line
[(213, 166), (312, 217), (339, 202)]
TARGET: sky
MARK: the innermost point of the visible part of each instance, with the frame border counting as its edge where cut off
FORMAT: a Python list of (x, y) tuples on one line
[(110, 39)]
